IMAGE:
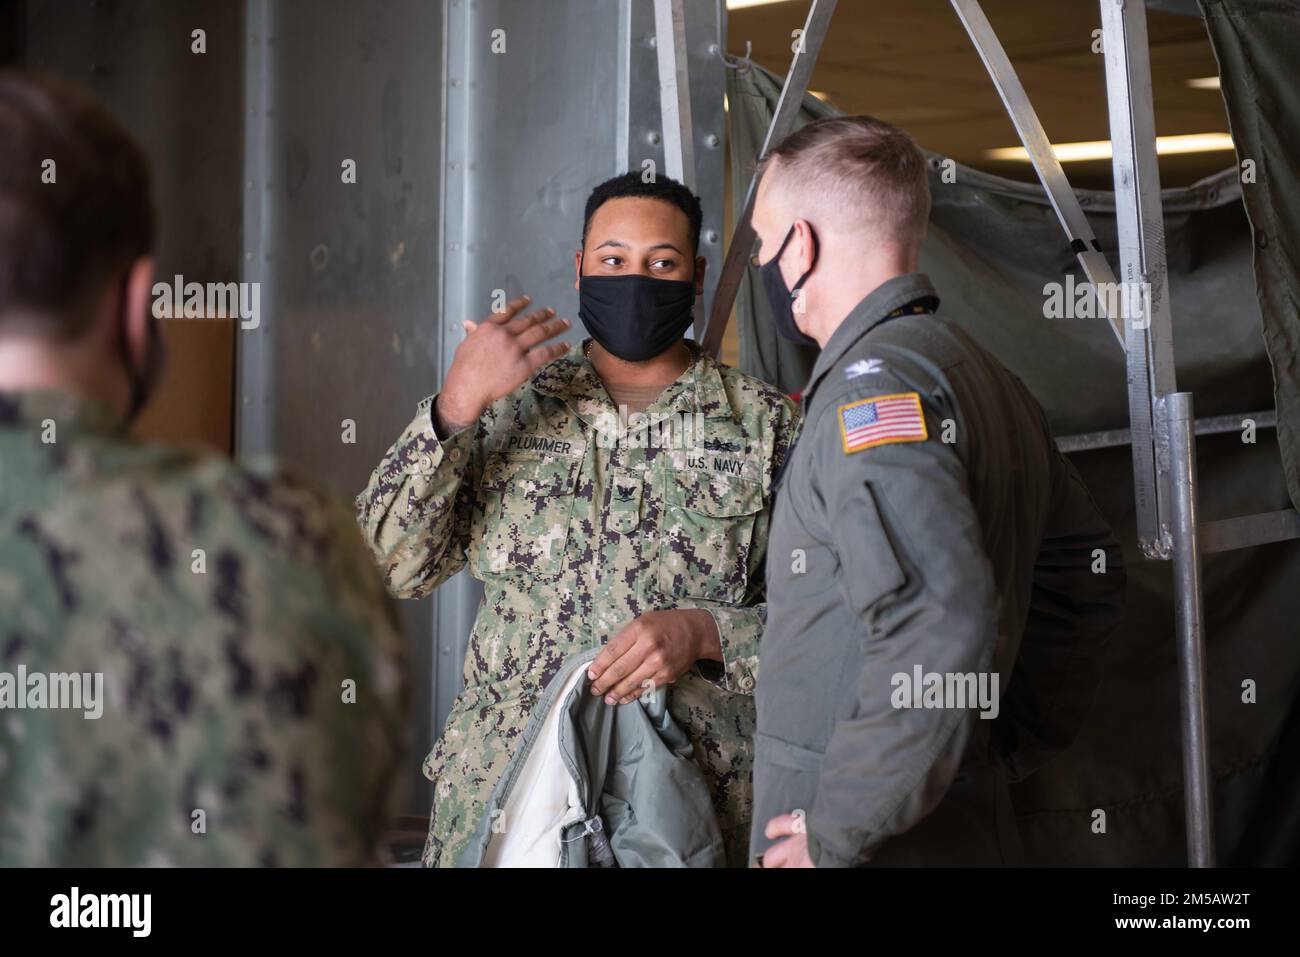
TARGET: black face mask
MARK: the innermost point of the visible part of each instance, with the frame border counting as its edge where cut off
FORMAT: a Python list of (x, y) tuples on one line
[(781, 298), (635, 317)]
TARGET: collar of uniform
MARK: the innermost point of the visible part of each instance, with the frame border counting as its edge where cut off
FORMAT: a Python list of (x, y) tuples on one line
[(880, 302), (67, 410), (573, 379)]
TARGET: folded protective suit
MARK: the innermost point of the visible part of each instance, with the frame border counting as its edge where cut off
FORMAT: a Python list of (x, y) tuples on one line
[(595, 785)]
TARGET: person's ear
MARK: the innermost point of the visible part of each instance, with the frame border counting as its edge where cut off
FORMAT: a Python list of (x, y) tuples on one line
[(138, 305), (577, 268), (806, 248), (701, 267)]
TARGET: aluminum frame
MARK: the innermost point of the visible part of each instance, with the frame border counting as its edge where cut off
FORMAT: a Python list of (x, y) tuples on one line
[(675, 91)]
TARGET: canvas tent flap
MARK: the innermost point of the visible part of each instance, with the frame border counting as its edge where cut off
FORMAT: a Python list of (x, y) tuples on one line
[(1257, 44)]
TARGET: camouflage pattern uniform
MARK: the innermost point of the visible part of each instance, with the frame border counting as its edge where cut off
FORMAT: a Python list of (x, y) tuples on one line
[(222, 672), (573, 536)]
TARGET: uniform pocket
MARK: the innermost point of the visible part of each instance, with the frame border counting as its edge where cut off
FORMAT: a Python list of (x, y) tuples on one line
[(786, 778), (706, 536), (527, 502), (787, 755)]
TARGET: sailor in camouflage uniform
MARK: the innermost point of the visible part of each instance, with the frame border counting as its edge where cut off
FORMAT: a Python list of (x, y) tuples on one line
[(587, 527), (252, 697)]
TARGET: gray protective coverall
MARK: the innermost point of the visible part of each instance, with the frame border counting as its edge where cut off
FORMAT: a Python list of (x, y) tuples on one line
[(635, 798)]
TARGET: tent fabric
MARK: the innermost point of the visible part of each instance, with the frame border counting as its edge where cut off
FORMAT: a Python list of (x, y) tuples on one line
[(993, 244), (1257, 43)]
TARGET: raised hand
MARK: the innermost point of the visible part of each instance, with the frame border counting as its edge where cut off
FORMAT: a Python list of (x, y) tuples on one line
[(498, 355)]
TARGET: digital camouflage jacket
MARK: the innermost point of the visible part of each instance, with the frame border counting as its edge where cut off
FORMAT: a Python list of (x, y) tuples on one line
[(576, 524)]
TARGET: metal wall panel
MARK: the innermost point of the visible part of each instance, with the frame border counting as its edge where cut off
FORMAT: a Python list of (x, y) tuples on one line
[(349, 271)]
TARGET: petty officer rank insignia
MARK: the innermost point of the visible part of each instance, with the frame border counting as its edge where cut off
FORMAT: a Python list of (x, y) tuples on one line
[(881, 420)]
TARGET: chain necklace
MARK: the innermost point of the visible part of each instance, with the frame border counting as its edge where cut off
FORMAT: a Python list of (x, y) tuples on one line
[(691, 347)]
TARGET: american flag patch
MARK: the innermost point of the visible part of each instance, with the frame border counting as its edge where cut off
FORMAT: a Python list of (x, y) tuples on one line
[(886, 418)]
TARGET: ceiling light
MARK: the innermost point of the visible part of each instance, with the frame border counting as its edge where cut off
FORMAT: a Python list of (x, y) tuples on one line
[(1100, 149), (741, 4), (1204, 83)]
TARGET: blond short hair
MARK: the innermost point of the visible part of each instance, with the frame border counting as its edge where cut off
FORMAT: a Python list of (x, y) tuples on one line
[(858, 171)]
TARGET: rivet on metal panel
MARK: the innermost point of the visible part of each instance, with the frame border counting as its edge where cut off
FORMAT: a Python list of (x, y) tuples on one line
[(712, 141), (711, 236), (653, 138)]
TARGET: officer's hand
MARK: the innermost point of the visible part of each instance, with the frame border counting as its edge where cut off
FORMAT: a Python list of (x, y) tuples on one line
[(793, 851), (498, 355), (653, 650)]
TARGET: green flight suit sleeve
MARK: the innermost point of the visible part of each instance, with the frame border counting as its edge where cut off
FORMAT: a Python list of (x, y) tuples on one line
[(914, 571), (1076, 603), (415, 513), (740, 629)]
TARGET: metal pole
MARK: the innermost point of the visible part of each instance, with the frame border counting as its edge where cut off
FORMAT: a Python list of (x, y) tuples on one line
[(1214, 425), (1189, 616), (1077, 229), (1228, 534), (675, 91), (1140, 225), (255, 425), (455, 602), (787, 109)]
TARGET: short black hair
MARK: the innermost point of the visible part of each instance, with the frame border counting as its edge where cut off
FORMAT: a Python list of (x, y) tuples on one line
[(660, 187), (70, 226)]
